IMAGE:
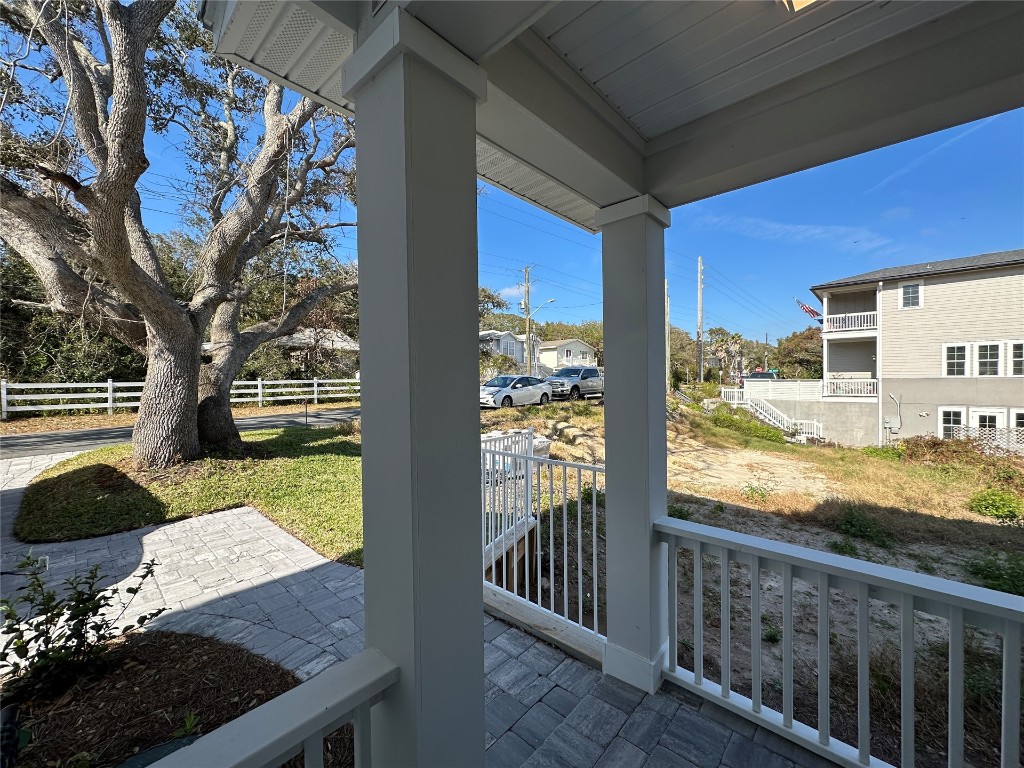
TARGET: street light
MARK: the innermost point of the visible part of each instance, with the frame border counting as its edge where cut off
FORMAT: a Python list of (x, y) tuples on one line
[(529, 341)]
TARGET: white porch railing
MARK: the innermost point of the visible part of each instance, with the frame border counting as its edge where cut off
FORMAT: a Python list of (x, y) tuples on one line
[(853, 321), (851, 387), (785, 389), (298, 721), (734, 395), (748, 558), (543, 534), (111, 395), (741, 397)]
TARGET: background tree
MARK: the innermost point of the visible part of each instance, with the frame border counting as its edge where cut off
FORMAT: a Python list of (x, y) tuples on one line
[(799, 354), (84, 85), (725, 345), (682, 356), (490, 303)]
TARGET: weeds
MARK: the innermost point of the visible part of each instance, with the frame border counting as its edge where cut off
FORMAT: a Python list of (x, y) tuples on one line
[(1004, 506), (745, 424), (1005, 573), (770, 631), (844, 547), (857, 524), (891, 452)]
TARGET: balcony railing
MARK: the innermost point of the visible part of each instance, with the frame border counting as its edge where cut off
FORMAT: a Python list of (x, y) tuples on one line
[(298, 721), (853, 321), (778, 579), (851, 387)]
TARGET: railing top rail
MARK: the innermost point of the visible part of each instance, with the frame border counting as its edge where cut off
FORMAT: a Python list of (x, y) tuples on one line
[(543, 460), (278, 727), (987, 601)]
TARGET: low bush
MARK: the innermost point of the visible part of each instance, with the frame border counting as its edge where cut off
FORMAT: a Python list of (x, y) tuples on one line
[(891, 452), (51, 639), (745, 424), (1005, 574), (1005, 506)]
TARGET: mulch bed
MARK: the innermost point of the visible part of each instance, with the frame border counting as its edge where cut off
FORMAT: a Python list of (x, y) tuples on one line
[(153, 683)]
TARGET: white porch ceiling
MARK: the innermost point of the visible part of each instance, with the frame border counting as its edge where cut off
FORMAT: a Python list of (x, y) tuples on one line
[(591, 103), (664, 64)]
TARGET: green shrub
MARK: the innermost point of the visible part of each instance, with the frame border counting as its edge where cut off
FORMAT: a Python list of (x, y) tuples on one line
[(1003, 505), (844, 546), (745, 424), (891, 452), (679, 511), (1003, 573), (50, 640), (857, 524)]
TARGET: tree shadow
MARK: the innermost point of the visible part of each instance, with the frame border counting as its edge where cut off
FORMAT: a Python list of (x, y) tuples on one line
[(297, 442)]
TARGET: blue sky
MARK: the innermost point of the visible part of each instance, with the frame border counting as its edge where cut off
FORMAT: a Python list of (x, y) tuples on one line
[(954, 193)]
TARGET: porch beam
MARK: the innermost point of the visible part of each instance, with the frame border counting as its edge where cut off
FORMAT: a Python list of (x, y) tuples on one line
[(633, 251), (417, 98)]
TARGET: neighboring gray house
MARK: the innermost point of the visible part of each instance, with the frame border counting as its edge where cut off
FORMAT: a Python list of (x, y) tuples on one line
[(935, 348), (509, 344)]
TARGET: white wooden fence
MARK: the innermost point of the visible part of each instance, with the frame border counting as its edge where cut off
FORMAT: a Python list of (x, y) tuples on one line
[(111, 395)]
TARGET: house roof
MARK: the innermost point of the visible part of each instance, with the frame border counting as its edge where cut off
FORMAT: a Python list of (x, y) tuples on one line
[(964, 264), (488, 335), (560, 342)]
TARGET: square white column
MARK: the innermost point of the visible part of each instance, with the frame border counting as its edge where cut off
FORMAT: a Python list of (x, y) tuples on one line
[(633, 234), (416, 105)]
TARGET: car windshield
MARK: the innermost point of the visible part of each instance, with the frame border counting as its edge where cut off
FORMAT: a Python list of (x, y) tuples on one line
[(501, 382), (568, 372)]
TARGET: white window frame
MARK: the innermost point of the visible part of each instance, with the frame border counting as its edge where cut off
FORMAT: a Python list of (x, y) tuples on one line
[(976, 360), (1009, 357), (920, 294), (985, 410), (1014, 413), (568, 354), (962, 409), (584, 355), (967, 359)]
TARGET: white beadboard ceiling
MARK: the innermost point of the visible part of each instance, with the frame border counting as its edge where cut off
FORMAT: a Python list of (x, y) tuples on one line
[(662, 65)]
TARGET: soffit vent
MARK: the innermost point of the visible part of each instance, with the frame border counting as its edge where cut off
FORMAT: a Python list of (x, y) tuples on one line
[(526, 182)]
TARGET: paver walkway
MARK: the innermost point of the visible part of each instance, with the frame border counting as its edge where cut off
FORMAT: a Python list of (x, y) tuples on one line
[(236, 576)]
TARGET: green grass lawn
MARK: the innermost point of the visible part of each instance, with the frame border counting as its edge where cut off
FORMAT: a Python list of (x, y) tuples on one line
[(308, 481)]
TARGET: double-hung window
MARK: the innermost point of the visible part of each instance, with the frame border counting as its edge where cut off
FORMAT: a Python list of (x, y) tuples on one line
[(987, 359), (954, 359), (911, 295), (949, 419), (1017, 358)]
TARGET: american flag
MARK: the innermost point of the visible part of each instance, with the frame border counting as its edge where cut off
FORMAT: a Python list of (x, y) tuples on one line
[(809, 310)]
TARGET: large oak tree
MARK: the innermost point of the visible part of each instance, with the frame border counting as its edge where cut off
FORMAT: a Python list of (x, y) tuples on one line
[(85, 86)]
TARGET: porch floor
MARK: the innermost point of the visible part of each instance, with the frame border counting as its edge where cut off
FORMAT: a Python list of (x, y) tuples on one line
[(237, 576)]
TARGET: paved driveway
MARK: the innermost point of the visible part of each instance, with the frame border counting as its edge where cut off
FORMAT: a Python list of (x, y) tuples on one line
[(42, 443)]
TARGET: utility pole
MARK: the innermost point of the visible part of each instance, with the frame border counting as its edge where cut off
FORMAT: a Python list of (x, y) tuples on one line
[(700, 318), (528, 346)]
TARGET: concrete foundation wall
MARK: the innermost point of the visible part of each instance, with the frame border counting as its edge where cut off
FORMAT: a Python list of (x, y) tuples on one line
[(920, 399), (845, 423)]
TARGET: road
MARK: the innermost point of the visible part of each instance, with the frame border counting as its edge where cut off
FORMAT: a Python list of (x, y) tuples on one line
[(35, 444)]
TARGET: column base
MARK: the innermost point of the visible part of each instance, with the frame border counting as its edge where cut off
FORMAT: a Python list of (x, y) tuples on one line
[(645, 674)]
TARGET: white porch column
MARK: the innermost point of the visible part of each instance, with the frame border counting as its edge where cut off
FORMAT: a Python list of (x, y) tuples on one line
[(416, 101), (635, 437)]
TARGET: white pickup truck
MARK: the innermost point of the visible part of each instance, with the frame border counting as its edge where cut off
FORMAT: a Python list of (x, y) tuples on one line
[(574, 383)]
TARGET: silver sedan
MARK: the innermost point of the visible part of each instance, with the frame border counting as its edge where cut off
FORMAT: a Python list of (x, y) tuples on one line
[(506, 391)]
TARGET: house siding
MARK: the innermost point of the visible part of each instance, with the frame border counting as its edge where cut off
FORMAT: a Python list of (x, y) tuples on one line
[(987, 305), (847, 303), (849, 357), (921, 398)]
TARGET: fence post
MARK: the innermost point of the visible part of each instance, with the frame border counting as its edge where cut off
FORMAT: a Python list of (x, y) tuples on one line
[(110, 396), (3, 399), (259, 392), (316, 390)]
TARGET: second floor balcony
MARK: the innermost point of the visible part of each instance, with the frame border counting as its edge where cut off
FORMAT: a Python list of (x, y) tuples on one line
[(851, 321)]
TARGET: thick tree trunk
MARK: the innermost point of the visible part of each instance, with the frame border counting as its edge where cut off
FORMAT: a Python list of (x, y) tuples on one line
[(166, 430), (217, 430)]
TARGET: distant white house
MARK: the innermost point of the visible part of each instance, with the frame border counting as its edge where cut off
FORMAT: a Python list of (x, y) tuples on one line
[(562, 352)]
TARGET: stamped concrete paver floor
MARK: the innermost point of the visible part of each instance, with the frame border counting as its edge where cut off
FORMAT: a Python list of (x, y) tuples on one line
[(236, 576)]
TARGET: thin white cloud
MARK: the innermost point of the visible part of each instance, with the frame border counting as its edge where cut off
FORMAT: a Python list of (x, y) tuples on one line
[(899, 213), (511, 293), (933, 151), (852, 239)]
